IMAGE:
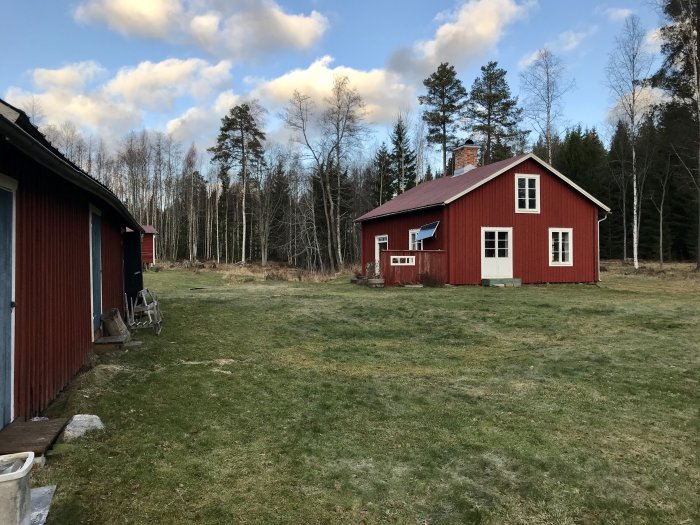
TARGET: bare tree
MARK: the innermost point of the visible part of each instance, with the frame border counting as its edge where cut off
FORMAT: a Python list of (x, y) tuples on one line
[(343, 120), (629, 65), (544, 85)]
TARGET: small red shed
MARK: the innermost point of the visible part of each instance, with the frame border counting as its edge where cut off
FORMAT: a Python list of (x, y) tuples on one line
[(65, 257), (514, 219), (148, 245)]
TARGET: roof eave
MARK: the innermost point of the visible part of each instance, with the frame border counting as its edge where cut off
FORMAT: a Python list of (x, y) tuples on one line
[(24, 141), (400, 212)]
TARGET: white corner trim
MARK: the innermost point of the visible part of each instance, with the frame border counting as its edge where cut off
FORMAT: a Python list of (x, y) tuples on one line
[(94, 209)]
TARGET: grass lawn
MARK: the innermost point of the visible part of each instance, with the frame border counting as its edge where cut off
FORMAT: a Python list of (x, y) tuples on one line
[(290, 402)]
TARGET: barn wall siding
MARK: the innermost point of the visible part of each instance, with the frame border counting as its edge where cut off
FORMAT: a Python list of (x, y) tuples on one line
[(431, 264), (53, 313), (147, 243), (494, 205), (112, 265)]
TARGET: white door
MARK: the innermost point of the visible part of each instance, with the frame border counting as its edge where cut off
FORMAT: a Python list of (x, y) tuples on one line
[(496, 253), (381, 242)]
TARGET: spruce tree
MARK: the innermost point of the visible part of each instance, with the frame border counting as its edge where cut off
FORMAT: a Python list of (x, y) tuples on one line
[(428, 174), (403, 158), (492, 112), (383, 188), (445, 100)]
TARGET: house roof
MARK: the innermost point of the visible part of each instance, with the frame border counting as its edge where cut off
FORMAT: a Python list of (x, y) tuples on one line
[(147, 228), (16, 127), (442, 191)]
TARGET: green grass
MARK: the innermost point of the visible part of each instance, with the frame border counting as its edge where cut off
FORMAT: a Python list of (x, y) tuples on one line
[(287, 402)]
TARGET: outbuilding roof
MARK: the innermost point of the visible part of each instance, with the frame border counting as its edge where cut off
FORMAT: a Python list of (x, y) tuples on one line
[(16, 127), (442, 191), (147, 228)]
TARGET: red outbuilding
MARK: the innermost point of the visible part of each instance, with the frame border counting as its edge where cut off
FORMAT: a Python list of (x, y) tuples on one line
[(148, 245), (517, 219), (65, 257)]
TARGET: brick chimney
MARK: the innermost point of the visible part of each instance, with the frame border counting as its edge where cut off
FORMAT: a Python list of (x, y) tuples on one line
[(465, 157)]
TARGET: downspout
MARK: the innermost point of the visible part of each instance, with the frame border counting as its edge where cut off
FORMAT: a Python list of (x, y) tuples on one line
[(599, 221)]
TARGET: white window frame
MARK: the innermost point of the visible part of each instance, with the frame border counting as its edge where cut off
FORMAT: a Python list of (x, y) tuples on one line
[(412, 243), (403, 260), (526, 177), (570, 231)]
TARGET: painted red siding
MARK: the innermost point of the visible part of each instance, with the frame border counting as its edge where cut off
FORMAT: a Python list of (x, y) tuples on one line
[(397, 228), (494, 205), (432, 264), (112, 265), (53, 296), (147, 242)]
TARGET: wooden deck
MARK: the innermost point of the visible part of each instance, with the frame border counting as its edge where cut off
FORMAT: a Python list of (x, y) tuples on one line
[(30, 436)]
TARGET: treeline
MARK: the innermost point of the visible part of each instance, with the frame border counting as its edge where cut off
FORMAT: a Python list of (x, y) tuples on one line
[(247, 199)]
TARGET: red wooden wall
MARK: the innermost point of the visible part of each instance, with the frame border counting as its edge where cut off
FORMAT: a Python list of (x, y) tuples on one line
[(494, 205), (53, 296), (397, 227), (428, 262), (147, 242)]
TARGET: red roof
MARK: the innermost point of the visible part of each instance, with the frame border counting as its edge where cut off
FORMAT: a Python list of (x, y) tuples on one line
[(442, 191)]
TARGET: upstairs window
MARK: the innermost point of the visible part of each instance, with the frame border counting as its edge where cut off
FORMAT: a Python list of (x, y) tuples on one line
[(561, 247), (413, 242), (527, 193)]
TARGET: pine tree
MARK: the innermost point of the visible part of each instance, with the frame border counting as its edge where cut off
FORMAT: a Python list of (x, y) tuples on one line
[(240, 140), (403, 158), (428, 174), (492, 112), (446, 99)]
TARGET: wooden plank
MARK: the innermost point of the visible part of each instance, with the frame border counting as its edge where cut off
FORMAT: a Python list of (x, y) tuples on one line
[(30, 436)]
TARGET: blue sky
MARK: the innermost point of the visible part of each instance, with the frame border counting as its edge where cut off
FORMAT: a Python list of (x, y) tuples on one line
[(111, 66)]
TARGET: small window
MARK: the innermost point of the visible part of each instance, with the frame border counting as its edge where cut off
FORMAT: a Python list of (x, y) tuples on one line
[(403, 260), (561, 247), (490, 244), (413, 242), (527, 193)]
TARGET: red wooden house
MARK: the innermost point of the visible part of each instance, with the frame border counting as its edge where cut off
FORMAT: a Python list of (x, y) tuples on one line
[(148, 245), (514, 219), (65, 258)]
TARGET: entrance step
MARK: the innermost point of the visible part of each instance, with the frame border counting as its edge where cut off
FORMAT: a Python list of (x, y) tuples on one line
[(109, 343), (501, 283), (30, 436)]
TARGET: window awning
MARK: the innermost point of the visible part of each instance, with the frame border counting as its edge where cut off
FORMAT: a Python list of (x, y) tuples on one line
[(427, 231)]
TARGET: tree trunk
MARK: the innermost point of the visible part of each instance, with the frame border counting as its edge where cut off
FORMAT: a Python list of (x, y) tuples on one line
[(635, 210)]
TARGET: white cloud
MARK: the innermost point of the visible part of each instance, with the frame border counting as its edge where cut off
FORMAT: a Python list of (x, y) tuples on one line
[(71, 77), (469, 31), (646, 98), (617, 14), (383, 91), (157, 85), (200, 124), (124, 101), (565, 42), (149, 18), (653, 41), (238, 30)]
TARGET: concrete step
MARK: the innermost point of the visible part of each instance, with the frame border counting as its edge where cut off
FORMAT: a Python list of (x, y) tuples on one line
[(502, 282), (108, 343)]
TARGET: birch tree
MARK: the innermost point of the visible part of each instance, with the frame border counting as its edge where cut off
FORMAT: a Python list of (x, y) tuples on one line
[(544, 86), (629, 65)]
